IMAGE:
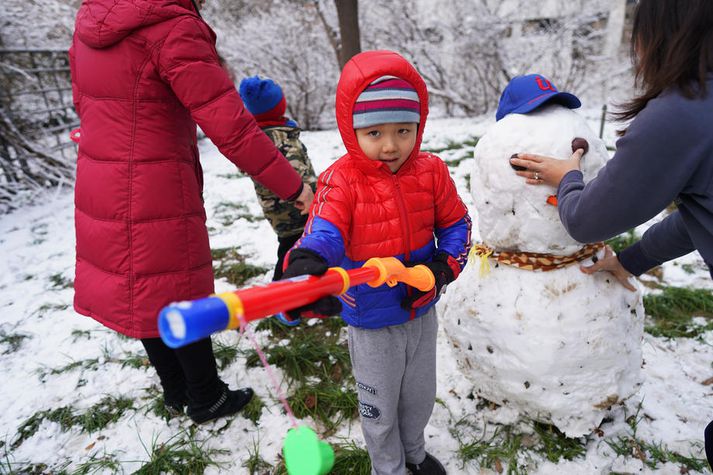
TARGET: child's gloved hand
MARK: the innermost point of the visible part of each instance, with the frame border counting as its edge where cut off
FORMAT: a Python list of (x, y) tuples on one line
[(301, 262), (445, 269)]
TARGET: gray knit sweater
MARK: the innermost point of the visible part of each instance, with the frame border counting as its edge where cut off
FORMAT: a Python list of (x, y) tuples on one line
[(665, 156)]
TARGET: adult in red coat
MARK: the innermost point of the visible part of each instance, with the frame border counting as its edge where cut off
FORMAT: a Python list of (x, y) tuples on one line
[(144, 72)]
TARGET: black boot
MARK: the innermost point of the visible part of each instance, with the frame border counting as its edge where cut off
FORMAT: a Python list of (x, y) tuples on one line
[(227, 404), (175, 404), (708, 439), (429, 466)]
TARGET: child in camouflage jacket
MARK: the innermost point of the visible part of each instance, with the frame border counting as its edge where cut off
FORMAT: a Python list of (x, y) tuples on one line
[(266, 102)]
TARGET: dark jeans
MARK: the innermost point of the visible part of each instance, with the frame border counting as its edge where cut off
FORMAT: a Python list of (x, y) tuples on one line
[(286, 244), (187, 371)]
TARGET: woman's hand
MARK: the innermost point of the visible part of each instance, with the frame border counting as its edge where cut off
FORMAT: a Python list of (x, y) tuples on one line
[(541, 170), (610, 263)]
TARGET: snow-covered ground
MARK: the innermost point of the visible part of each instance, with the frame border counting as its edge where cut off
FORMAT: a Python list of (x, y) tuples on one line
[(37, 249)]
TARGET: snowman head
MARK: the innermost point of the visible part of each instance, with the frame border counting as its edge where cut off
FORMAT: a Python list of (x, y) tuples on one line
[(511, 214)]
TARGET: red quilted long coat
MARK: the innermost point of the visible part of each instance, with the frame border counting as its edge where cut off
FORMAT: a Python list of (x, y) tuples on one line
[(144, 72)]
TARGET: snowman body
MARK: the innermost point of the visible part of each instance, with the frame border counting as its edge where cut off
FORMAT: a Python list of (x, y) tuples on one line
[(559, 346)]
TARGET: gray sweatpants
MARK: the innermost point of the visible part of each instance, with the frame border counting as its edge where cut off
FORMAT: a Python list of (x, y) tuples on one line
[(395, 370)]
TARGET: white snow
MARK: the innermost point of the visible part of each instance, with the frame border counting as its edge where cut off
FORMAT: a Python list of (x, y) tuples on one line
[(37, 244)]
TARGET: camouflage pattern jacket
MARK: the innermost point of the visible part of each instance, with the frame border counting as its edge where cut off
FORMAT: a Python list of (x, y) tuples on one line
[(284, 218)]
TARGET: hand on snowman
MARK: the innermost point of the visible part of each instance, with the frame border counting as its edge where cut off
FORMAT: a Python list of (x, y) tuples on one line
[(610, 263), (445, 269), (541, 170)]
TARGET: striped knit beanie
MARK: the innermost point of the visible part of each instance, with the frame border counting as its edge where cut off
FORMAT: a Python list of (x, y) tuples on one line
[(387, 100)]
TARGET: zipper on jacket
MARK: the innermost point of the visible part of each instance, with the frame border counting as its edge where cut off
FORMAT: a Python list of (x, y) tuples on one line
[(406, 230)]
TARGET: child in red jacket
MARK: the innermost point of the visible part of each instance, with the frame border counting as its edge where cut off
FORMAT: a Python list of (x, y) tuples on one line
[(386, 198)]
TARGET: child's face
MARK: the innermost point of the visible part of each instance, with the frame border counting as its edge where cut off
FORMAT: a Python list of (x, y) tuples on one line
[(388, 143)]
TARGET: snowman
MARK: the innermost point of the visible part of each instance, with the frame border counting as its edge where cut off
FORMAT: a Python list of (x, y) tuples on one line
[(527, 327)]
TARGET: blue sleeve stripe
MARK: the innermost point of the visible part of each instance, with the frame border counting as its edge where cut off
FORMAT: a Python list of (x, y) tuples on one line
[(324, 238), (455, 239)]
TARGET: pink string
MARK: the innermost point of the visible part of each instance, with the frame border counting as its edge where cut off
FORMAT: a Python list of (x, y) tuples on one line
[(276, 386)]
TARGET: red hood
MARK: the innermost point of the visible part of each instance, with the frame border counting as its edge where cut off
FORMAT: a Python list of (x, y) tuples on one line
[(102, 23), (361, 70)]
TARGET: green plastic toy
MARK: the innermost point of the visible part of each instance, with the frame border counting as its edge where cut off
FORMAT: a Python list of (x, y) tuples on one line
[(305, 454)]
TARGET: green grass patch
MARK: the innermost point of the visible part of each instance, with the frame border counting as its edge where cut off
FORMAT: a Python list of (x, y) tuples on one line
[(229, 264), (131, 360), (453, 145), (88, 364), (105, 463), (253, 410), (323, 327), (351, 459), (50, 307), (154, 404), (60, 282), (622, 241), (95, 418), (224, 354), (305, 357), (181, 454), (232, 176), (453, 163), (317, 367), (228, 212), (326, 402), (39, 231), (80, 334), (510, 448), (555, 446), (503, 447), (672, 311), (652, 453), (688, 269), (13, 341), (12, 468), (255, 464)]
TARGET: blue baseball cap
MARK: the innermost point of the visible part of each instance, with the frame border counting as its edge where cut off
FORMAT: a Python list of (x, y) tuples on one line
[(526, 93)]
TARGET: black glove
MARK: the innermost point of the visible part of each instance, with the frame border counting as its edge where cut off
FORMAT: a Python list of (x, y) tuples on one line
[(301, 262), (445, 269)]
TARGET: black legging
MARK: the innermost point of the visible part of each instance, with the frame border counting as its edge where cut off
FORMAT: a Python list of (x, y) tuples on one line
[(285, 244), (708, 434), (190, 370)]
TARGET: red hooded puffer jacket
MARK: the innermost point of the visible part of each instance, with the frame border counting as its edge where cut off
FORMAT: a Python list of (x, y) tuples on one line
[(144, 72), (384, 213)]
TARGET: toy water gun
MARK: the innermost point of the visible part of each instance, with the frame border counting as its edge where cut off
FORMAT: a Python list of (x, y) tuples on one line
[(182, 323)]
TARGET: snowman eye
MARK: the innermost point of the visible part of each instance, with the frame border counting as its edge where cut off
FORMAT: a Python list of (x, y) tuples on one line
[(518, 168), (579, 142)]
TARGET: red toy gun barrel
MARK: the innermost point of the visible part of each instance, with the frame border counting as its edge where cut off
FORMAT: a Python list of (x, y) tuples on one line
[(182, 323)]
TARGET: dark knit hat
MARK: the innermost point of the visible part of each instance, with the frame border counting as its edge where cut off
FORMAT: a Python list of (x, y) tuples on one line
[(387, 100), (263, 97)]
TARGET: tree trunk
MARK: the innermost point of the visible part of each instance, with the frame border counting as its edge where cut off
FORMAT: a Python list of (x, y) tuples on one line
[(348, 13)]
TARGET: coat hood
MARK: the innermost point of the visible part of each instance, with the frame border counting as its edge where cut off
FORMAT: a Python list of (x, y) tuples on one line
[(102, 23), (358, 73)]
